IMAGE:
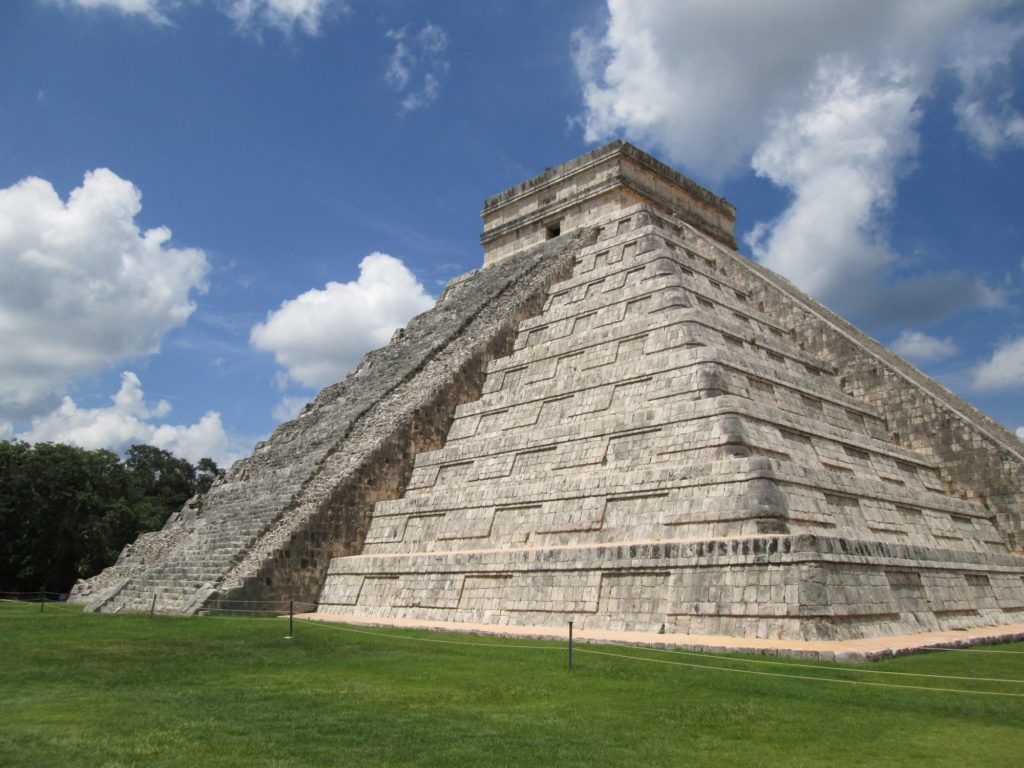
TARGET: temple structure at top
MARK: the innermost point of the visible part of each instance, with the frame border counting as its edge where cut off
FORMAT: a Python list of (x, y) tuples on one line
[(585, 191)]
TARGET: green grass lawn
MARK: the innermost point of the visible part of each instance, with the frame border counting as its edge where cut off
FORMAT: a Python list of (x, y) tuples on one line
[(84, 690)]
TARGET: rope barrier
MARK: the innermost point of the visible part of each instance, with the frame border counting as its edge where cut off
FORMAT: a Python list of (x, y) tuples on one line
[(263, 602), (971, 650), (726, 669), (345, 628), (33, 596), (209, 612), (854, 670), (50, 606), (252, 612), (238, 614), (803, 677)]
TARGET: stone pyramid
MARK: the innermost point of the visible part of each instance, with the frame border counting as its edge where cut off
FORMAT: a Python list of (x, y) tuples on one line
[(620, 420), (672, 446)]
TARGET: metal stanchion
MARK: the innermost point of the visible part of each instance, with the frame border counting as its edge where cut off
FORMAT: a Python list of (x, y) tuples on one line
[(152, 606), (291, 618), (570, 644)]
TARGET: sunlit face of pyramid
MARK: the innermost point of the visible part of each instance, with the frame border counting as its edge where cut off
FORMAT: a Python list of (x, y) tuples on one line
[(658, 452)]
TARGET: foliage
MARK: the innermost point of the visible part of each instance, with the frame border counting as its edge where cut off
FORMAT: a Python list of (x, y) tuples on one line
[(66, 512), (102, 690)]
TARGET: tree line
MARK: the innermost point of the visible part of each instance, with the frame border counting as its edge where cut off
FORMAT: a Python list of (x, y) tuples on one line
[(66, 512)]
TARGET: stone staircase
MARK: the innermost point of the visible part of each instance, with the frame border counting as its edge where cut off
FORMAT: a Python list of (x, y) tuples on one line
[(267, 529)]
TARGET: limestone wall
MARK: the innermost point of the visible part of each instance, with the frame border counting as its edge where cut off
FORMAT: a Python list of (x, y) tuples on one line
[(626, 463), (269, 528), (979, 459)]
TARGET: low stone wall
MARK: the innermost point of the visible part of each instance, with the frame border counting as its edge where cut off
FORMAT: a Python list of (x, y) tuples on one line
[(801, 587)]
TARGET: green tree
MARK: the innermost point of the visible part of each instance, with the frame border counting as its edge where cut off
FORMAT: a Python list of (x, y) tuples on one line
[(207, 472), (66, 512), (62, 511)]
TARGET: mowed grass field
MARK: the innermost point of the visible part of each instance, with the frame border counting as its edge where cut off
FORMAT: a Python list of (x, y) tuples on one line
[(87, 690)]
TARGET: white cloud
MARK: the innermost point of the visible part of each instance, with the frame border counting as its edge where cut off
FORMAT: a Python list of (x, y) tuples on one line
[(413, 55), (1004, 370), (130, 421), (83, 286), (153, 10), (706, 81), (321, 334), (922, 348), (1020, 432), (248, 15), (424, 96), (401, 62), (839, 156), (823, 99), (432, 38), (284, 15), (984, 108)]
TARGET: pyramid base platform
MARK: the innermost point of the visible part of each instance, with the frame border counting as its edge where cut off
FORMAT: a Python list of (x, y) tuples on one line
[(777, 587), (842, 651)]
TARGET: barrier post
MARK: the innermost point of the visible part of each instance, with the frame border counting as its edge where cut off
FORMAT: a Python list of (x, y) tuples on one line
[(570, 644), (291, 616), (152, 606), (42, 600)]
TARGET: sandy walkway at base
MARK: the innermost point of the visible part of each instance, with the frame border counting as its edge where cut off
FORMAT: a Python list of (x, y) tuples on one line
[(823, 650)]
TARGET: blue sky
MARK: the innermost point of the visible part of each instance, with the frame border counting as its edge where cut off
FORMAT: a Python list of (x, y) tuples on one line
[(211, 208)]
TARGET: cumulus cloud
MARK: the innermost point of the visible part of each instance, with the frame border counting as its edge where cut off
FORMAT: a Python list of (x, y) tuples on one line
[(128, 421), (706, 81), (418, 60), (984, 108), (320, 335), (922, 348), (822, 99), (839, 156), (1004, 370), (1020, 432), (248, 15), (82, 285)]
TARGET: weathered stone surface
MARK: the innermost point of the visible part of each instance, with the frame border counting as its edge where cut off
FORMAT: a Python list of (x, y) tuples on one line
[(628, 424), (591, 188), (684, 442), (268, 530)]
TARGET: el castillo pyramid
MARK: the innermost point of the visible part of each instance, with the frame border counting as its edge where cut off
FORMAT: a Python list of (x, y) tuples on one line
[(619, 420)]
